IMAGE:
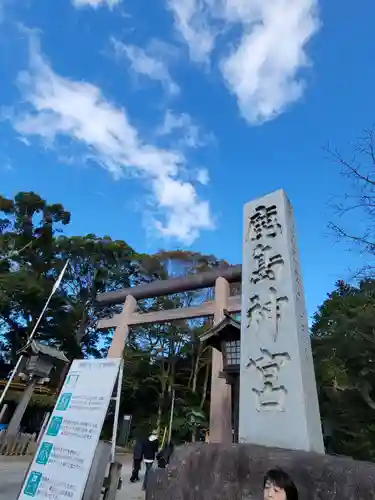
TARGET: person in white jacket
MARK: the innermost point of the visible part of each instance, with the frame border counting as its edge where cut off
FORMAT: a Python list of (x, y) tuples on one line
[(150, 449)]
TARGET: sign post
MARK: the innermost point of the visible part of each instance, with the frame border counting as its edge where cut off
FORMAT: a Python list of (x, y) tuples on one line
[(117, 411), (62, 462), (125, 430)]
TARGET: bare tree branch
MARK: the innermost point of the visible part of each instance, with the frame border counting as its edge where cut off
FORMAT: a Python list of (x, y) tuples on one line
[(356, 210)]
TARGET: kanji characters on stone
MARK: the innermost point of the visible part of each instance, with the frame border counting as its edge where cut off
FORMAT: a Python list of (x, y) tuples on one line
[(267, 264), (264, 223), (271, 395), (269, 309)]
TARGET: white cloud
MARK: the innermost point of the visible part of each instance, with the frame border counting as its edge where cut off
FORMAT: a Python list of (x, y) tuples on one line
[(24, 140), (7, 165), (181, 198), (58, 106), (262, 69), (192, 22), (96, 3), (203, 177), (151, 63), (184, 126)]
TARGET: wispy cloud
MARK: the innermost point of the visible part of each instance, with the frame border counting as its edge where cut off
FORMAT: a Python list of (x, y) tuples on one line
[(203, 177), (96, 3), (24, 140), (263, 69), (151, 62), (193, 23), (183, 126), (57, 106), (6, 165)]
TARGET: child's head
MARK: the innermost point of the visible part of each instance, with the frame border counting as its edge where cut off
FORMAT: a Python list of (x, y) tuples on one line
[(278, 485)]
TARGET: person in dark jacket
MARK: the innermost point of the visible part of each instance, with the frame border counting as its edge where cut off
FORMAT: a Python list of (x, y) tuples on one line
[(137, 460), (150, 449), (164, 456)]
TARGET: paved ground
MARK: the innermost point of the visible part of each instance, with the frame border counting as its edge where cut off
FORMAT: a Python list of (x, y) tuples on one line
[(129, 491), (12, 472)]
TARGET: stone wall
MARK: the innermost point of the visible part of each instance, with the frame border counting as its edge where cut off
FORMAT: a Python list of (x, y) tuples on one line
[(235, 472)]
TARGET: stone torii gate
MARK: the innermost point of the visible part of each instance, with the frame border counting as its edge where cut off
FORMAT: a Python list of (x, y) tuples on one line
[(220, 407)]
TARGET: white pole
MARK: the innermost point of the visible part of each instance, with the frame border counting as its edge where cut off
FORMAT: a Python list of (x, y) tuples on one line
[(171, 417), (32, 334), (54, 289), (117, 411)]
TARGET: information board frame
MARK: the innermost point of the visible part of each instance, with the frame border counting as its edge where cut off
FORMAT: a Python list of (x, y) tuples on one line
[(62, 462)]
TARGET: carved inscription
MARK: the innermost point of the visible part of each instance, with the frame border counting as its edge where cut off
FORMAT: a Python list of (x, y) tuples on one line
[(269, 310), (294, 258), (264, 228), (272, 395), (263, 223), (267, 264)]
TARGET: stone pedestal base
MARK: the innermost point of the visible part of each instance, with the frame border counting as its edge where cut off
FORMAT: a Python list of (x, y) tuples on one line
[(235, 472)]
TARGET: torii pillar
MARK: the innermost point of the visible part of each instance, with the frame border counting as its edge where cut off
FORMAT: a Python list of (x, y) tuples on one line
[(221, 398), (121, 333)]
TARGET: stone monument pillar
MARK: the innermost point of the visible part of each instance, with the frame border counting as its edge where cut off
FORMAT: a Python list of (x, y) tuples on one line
[(278, 397)]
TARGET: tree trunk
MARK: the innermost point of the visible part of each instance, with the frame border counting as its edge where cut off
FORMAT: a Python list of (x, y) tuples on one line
[(205, 384), (82, 327), (196, 369), (160, 413), (161, 406), (193, 361), (365, 390), (164, 385)]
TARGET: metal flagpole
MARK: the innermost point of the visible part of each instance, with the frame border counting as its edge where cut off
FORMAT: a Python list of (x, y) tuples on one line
[(117, 411), (32, 334)]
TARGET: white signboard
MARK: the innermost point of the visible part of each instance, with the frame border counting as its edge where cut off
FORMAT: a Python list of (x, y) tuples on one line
[(61, 465)]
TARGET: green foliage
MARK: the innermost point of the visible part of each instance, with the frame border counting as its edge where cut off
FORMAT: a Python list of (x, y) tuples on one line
[(28, 228), (96, 265), (343, 335), (33, 252), (189, 419)]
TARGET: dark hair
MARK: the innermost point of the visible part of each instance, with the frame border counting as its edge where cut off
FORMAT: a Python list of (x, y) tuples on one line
[(282, 480)]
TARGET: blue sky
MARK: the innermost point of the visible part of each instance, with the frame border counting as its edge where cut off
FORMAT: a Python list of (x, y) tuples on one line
[(155, 121)]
